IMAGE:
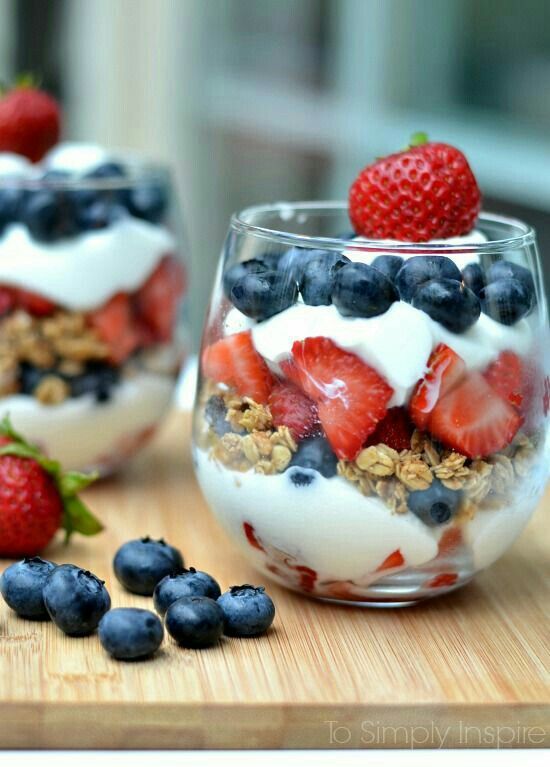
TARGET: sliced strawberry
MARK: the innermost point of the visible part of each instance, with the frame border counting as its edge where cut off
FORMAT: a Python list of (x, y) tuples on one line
[(33, 303), (157, 301), (507, 376), (473, 419), (290, 407), (449, 542), (114, 325), (234, 361), (445, 369), (395, 559), (443, 579), (352, 398), (251, 536), (395, 430), (7, 300)]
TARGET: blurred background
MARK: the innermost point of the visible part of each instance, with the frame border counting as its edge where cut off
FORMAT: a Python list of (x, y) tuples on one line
[(261, 100)]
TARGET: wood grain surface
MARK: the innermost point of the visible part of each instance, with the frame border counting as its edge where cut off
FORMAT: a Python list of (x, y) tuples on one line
[(469, 669)]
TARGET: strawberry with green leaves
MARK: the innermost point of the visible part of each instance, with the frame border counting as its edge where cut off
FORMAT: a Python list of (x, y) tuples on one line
[(37, 497)]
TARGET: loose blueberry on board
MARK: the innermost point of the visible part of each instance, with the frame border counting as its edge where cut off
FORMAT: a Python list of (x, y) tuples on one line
[(473, 278), (75, 599), (360, 290), (148, 202), (240, 270), (436, 505), (188, 583), (315, 453), (261, 296), (506, 301), (194, 622), (448, 302), (21, 586), (318, 277), (388, 265), (507, 270), (140, 564), (214, 413), (420, 269), (130, 633), (247, 611)]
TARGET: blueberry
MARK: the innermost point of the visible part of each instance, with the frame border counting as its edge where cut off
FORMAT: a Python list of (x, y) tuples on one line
[(55, 175), (293, 263), (506, 301), (240, 270), (148, 202), (503, 270), (194, 621), (247, 610), (75, 599), (301, 477), (99, 214), (129, 633), (10, 206), (261, 296), (214, 413), (362, 291), (21, 586), (388, 265), (140, 564), (107, 170), (97, 379), (420, 269), (48, 215), (188, 583), (315, 453), (473, 278), (448, 302), (435, 505), (318, 277)]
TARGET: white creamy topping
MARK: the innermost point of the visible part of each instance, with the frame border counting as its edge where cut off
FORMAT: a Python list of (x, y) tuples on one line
[(14, 166), (82, 273), (76, 158), (327, 525), (396, 344)]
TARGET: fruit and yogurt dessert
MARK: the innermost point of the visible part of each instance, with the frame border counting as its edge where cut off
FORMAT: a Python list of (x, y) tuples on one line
[(90, 292), (371, 417)]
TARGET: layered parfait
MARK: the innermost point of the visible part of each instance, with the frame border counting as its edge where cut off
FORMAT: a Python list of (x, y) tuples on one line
[(90, 290), (370, 423)]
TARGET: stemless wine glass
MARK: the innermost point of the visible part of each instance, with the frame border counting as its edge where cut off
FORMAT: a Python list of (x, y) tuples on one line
[(357, 446), (91, 287)]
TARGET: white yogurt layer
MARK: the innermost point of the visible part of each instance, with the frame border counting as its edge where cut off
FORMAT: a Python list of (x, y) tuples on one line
[(82, 273), (14, 166), (81, 432), (76, 158), (396, 344), (475, 237), (327, 525)]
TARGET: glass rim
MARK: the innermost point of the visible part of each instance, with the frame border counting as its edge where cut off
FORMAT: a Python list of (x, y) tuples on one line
[(137, 174), (241, 223)]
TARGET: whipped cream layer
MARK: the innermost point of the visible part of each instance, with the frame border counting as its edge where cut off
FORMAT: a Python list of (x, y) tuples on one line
[(327, 525), (82, 273), (475, 237), (14, 166), (396, 344), (77, 158)]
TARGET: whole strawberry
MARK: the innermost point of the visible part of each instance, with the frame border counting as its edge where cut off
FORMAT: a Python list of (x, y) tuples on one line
[(427, 192), (30, 121), (37, 498)]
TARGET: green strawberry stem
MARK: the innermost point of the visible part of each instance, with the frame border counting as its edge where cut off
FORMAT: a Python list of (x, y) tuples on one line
[(77, 518), (418, 138)]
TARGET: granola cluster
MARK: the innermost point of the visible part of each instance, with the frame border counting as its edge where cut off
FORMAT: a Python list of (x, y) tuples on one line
[(63, 342), (253, 442)]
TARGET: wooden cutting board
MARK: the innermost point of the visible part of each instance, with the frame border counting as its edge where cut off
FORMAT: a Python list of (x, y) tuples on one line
[(469, 669)]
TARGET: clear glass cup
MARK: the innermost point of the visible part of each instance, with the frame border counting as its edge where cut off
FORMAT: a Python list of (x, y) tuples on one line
[(405, 506), (92, 279)]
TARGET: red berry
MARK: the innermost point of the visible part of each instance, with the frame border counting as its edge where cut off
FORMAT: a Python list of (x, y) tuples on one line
[(352, 398), (507, 376), (290, 407), (395, 430), (393, 560), (157, 301), (235, 362), (114, 325), (473, 420), (445, 370), (33, 303), (7, 300), (426, 192), (30, 122)]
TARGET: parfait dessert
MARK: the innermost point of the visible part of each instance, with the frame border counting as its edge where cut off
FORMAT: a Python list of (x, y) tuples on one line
[(90, 291), (370, 422)]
